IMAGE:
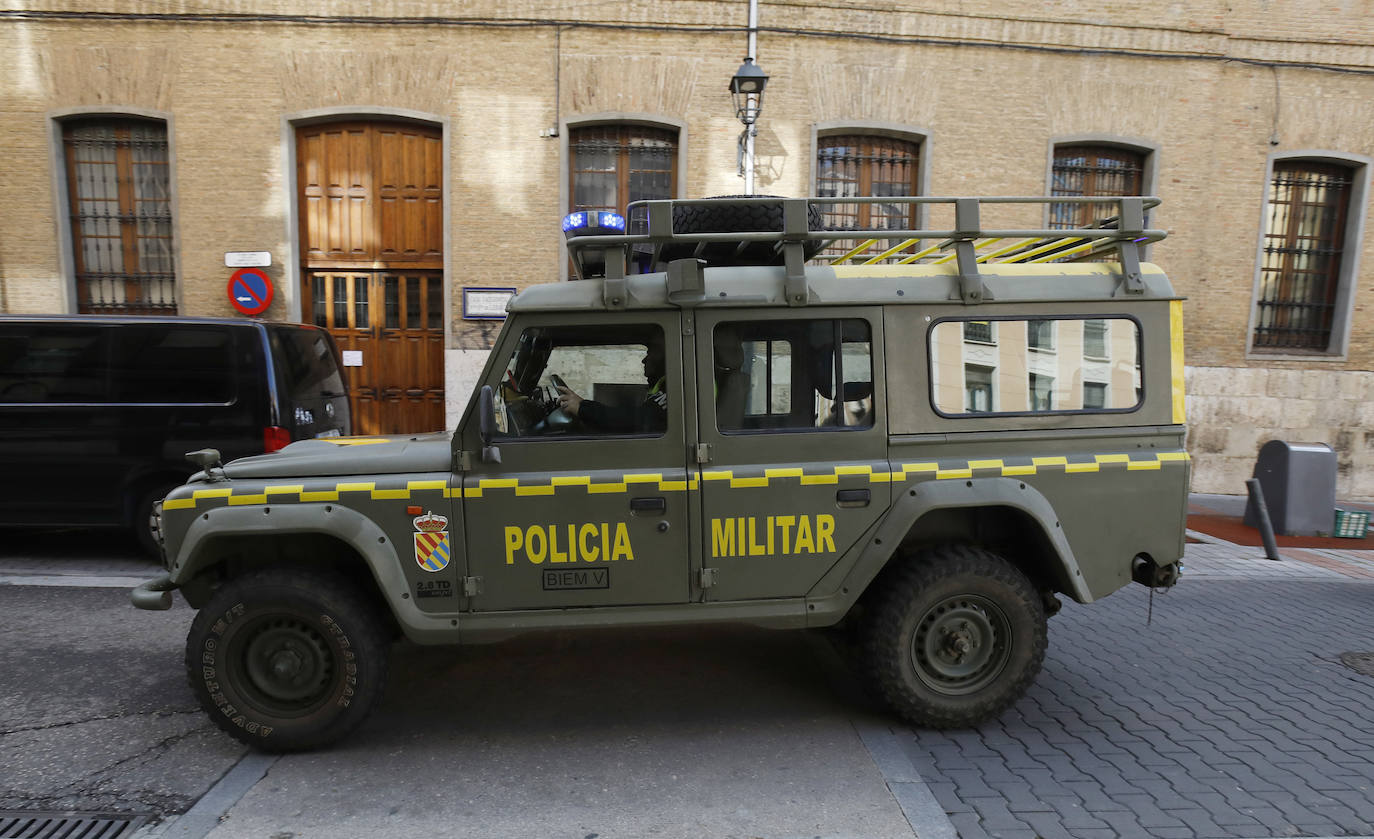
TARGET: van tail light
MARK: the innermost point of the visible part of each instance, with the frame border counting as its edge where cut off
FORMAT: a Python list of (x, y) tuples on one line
[(275, 438)]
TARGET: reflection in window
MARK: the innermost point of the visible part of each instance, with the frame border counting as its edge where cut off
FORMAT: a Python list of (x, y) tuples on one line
[(1095, 338), (1096, 366), (1041, 392), (785, 375), (979, 331), (1094, 395), (977, 389)]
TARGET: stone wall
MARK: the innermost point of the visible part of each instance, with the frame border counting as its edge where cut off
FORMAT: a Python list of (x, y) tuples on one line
[(1232, 411)]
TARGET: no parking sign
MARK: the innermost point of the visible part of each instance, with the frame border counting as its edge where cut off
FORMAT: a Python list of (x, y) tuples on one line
[(250, 291)]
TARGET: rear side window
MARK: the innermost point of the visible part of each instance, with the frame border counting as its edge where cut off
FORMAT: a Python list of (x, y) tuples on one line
[(55, 362), (159, 363), (1041, 366), (308, 360)]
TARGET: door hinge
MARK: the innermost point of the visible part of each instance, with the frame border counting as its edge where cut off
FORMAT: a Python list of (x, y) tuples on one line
[(472, 586), (702, 453), (708, 577), (463, 462)]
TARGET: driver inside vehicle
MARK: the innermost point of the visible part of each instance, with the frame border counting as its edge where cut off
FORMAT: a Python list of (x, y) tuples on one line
[(651, 415)]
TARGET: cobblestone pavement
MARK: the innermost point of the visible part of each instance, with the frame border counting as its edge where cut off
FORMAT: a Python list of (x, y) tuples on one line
[(1223, 709)]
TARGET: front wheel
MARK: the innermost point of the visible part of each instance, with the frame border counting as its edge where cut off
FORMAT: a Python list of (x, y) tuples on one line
[(955, 637), (286, 660)]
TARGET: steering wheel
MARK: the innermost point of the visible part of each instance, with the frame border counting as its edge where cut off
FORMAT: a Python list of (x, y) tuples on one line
[(558, 421)]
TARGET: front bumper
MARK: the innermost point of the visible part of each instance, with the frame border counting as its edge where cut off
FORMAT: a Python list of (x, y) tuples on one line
[(154, 595)]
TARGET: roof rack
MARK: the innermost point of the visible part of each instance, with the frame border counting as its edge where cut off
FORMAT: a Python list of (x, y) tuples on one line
[(968, 245)]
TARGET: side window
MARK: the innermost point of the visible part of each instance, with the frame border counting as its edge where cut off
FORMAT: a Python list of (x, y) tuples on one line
[(54, 363), (785, 375), (585, 381), (1046, 365), (184, 364)]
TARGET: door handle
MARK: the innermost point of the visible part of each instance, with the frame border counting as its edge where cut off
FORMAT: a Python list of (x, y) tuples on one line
[(856, 497), (649, 504)]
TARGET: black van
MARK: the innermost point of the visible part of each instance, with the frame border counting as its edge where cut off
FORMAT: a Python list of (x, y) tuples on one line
[(97, 412)]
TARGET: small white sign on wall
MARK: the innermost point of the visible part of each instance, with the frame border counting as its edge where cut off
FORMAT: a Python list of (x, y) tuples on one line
[(353, 358), (248, 259)]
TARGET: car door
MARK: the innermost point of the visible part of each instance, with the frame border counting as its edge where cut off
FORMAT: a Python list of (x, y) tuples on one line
[(797, 441), (582, 513)]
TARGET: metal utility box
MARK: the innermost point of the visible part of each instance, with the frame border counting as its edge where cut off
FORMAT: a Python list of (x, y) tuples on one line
[(1299, 483)]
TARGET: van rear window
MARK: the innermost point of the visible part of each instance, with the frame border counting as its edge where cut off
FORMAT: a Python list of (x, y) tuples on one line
[(312, 369)]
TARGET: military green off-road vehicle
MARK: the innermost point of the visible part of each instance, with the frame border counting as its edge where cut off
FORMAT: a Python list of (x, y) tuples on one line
[(925, 439)]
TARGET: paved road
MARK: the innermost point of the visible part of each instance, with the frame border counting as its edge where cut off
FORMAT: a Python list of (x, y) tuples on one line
[(1230, 714)]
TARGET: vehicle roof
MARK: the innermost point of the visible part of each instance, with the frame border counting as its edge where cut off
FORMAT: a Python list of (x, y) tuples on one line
[(147, 319), (857, 285)]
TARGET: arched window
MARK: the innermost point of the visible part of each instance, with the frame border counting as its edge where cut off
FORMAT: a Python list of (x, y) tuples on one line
[(1087, 170), (866, 165), (1304, 245), (613, 165), (119, 197)]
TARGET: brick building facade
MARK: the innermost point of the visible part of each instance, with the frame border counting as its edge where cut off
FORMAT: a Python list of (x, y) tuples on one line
[(1224, 110)]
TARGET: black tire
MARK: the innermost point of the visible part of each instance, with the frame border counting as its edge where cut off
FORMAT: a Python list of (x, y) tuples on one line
[(954, 637), (740, 218), (285, 660)]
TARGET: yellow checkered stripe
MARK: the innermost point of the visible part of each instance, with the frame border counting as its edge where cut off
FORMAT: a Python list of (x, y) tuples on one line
[(297, 492), (950, 470), (655, 481)]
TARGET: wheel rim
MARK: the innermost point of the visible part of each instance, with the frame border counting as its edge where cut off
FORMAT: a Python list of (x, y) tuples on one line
[(961, 644), (287, 667)]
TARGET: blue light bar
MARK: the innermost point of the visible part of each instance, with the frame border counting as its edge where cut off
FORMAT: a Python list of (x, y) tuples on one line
[(599, 218)]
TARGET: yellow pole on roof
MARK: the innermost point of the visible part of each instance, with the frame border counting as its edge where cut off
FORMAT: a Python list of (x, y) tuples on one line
[(1057, 243), (1005, 249), (863, 246), (918, 255), (1086, 246), (977, 245), (889, 252)]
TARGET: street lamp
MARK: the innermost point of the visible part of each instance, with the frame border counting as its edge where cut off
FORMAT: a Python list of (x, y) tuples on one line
[(746, 90)]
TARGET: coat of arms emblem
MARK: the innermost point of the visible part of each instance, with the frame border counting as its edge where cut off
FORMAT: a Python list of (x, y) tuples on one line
[(432, 549)]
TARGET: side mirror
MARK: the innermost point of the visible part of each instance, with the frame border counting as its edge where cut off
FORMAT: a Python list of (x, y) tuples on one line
[(486, 424)]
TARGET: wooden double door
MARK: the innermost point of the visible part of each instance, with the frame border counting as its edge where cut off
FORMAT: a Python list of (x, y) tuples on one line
[(371, 216)]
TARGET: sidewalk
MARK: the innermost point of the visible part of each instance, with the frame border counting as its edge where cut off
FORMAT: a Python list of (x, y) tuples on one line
[(1207, 555)]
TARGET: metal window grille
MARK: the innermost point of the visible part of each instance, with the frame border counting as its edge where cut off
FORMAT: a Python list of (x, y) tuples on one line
[(1089, 171), (613, 165), (1304, 239), (856, 165), (121, 218)]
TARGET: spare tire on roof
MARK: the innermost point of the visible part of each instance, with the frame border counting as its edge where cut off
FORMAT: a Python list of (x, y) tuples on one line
[(758, 216)]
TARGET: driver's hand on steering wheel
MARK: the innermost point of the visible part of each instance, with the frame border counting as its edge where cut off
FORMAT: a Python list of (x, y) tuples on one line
[(568, 401)]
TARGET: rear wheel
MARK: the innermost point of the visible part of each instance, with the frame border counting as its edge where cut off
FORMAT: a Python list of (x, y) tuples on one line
[(955, 637), (286, 660)]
